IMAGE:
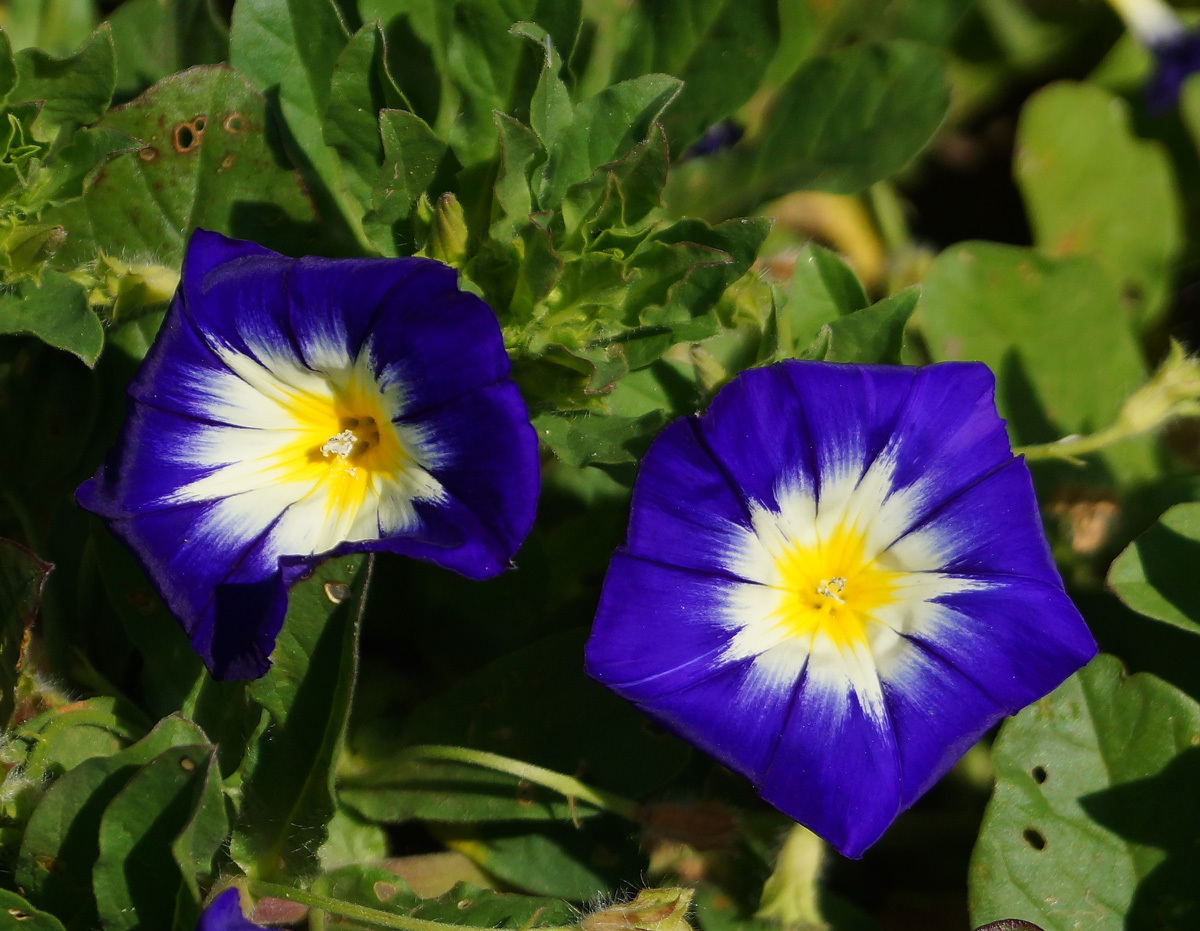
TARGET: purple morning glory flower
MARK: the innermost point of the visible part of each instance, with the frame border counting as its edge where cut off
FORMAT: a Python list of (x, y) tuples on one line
[(834, 582), (224, 913), (293, 409), (1175, 48)]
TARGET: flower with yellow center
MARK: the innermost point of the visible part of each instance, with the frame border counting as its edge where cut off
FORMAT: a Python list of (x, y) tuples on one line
[(834, 582), (293, 409)]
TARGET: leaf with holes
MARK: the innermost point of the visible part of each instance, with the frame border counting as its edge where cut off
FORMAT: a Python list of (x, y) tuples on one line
[(205, 158), (24, 916), (1095, 815)]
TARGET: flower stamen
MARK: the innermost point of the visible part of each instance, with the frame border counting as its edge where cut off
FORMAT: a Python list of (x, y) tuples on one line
[(340, 445), (833, 588)]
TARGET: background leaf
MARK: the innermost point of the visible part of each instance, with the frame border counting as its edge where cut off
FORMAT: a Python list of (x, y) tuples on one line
[(1093, 813), (75, 89), (843, 121), (698, 41), (1154, 575), (1121, 208), (1052, 330)]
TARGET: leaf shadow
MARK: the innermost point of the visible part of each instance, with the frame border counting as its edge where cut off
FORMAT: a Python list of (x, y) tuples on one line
[(1161, 811), (1168, 562)]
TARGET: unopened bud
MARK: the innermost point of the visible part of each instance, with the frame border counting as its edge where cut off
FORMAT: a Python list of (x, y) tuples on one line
[(1173, 391), (652, 910), (448, 232)]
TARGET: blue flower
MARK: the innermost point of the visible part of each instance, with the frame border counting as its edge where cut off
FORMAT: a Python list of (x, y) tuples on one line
[(224, 913), (292, 409), (1175, 60), (834, 582), (1176, 49)]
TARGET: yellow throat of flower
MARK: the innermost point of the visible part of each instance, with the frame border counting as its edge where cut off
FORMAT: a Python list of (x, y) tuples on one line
[(343, 440), (832, 588)]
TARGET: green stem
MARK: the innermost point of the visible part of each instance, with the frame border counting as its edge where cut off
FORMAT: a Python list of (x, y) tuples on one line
[(568, 786), (371, 916), (1071, 448)]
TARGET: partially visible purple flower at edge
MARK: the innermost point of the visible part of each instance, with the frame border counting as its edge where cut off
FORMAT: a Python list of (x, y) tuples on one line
[(1175, 48), (294, 409), (1176, 60), (834, 582), (224, 913)]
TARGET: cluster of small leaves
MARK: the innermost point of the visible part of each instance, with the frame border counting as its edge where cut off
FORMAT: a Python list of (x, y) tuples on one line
[(562, 155)]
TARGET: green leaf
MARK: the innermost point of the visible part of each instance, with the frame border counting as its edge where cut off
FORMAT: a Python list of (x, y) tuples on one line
[(1155, 575), (1051, 329), (557, 860), (842, 122), (1095, 811), (621, 193), (22, 576), (599, 130), (395, 789), (464, 905), (289, 52), (204, 161), (359, 88), (494, 70), (144, 829), (23, 915), (62, 842), (1091, 187), (8, 68), (203, 836), (871, 336), (154, 40), (720, 49), (351, 840), (288, 785), (62, 738), (411, 157), (598, 439), (75, 89), (74, 167), (520, 151), (823, 288), (56, 312), (58, 28)]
